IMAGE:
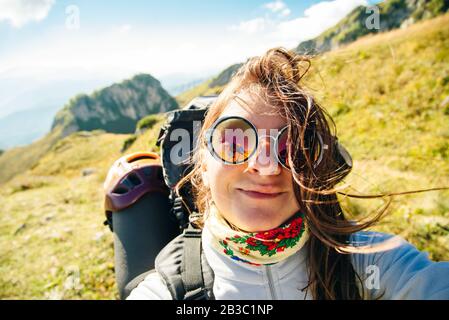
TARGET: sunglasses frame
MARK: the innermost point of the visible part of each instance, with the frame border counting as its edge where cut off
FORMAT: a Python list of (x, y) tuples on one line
[(210, 131)]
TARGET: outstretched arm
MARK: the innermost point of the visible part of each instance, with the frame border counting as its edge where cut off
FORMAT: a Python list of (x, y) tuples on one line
[(402, 272)]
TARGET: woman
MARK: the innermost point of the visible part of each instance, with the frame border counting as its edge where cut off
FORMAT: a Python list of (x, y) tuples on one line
[(264, 180)]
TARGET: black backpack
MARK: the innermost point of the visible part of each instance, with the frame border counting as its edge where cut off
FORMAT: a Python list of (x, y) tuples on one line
[(153, 234), (181, 263), (172, 247)]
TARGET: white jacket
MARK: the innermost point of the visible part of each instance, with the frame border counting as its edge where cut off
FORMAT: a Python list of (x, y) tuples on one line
[(401, 273)]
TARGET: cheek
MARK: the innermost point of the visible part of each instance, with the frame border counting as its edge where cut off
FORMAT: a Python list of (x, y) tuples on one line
[(288, 179), (289, 182), (219, 178)]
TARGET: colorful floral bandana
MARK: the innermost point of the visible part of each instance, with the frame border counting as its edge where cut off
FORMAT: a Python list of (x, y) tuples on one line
[(257, 248)]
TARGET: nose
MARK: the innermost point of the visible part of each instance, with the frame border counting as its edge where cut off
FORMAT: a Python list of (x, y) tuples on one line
[(264, 161)]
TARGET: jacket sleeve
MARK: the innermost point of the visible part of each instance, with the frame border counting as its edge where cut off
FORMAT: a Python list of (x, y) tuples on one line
[(400, 272), (151, 288)]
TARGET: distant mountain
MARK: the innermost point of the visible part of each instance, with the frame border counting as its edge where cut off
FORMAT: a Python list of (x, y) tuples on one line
[(25, 88), (178, 82), (116, 108), (209, 87), (179, 88), (393, 14), (23, 127), (225, 76)]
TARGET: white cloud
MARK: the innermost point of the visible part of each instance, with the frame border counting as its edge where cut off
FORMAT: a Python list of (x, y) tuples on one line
[(20, 12), (252, 26), (122, 54), (288, 32), (278, 7), (317, 18), (333, 10), (124, 50), (285, 12), (125, 28), (275, 6)]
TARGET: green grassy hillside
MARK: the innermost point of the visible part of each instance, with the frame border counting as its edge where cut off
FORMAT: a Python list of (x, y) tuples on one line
[(53, 244), (18, 160), (386, 94)]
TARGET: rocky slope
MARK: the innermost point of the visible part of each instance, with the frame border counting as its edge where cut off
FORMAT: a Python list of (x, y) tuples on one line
[(116, 108)]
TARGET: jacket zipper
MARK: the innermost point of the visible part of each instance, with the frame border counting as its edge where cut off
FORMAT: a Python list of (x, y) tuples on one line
[(271, 283)]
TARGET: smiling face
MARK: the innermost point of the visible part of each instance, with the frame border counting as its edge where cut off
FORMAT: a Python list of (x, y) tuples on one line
[(256, 195)]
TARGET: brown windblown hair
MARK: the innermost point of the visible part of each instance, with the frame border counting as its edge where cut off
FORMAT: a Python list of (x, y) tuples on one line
[(276, 78)]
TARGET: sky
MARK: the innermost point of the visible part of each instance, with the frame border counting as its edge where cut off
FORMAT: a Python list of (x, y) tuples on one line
[(85, 44)]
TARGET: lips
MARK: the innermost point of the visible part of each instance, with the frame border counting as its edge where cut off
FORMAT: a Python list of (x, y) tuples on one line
[(260, 193)]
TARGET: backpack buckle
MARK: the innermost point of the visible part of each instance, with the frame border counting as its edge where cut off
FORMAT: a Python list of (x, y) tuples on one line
[(178, 211), (191, 232)]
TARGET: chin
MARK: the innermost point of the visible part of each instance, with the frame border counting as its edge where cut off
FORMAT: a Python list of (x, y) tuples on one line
[(254, 220)]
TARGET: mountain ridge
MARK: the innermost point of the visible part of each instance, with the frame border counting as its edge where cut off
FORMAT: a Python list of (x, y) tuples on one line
[(393, 14), (116, 108)]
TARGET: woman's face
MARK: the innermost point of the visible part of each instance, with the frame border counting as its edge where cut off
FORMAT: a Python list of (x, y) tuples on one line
[(256, 195)]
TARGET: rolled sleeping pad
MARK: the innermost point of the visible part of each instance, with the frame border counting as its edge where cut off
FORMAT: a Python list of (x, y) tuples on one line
[(138, 210), (140, 232)]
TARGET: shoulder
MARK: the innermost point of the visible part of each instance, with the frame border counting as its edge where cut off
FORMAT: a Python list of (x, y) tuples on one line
[(151, 288)]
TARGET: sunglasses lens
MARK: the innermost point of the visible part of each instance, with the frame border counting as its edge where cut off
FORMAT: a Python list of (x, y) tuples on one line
[(282, 148), (233, 140)]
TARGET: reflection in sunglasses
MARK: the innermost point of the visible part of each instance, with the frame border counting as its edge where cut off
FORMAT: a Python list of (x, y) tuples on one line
[(233, 152), (234, 140)]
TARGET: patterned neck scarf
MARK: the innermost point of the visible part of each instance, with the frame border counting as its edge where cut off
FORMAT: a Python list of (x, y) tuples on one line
[(256, 248)]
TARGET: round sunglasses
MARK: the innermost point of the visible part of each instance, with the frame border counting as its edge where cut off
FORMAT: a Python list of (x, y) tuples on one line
[(234, 140)]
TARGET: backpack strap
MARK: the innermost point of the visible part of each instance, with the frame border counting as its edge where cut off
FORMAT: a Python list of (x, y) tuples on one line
[(184, 268), (191, 267)]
